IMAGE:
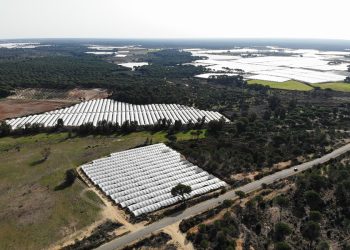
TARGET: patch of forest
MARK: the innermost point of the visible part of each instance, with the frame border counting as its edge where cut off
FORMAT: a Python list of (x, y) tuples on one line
[(313, 214), (284, 132)]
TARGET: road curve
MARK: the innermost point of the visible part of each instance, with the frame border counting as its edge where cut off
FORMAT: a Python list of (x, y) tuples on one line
[(206, 205)]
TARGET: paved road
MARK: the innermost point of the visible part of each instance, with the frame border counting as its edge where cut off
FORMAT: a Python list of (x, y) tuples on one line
[(206, 205)]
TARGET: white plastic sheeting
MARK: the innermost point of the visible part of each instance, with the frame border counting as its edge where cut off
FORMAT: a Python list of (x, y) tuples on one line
[(141, 179), (112, 111), (311, 66)]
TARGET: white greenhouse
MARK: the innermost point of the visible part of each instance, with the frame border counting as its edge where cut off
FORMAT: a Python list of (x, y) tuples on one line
[(116, 112), (141, 179)]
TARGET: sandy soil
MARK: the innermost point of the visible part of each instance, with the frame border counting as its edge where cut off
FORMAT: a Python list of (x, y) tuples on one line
[(76, 94), (242, 176), (31, 203), (251, 175), (109, 211), (34, 101), (239, 243), (16, 108), (178, 238), (87, 94)]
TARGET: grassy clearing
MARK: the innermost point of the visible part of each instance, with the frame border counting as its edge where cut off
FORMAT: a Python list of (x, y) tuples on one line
[(32, 214), (288, 85), (337, 86)]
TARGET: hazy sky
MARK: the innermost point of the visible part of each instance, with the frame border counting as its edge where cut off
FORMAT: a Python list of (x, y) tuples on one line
[(175, 19)]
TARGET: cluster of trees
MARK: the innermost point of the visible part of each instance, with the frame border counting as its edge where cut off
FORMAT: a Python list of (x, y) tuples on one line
[(59, 72), (221, 234), (252, 142), (236, 81), (5, 129), (170, 57), (103, 127), (316, 211), (177, 71), (5, 90)]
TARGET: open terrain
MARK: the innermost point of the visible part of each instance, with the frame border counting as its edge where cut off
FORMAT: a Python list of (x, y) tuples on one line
[(34, 215), (337, 86), (288, 85), (25, 101), (11, 108)]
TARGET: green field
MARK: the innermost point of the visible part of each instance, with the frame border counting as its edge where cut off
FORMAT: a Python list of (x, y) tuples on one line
[(337, 86), (288, 85), (32, 214)]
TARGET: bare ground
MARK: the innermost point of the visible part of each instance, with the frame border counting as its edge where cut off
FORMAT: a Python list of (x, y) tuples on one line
[(16, 108), (54, 94), (32, 203), (178, 238), (34, 101)]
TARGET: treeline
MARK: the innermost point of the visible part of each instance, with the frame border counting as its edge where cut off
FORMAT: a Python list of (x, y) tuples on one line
[(105, 128), (219, 235), (170, 57), (251, 142), (236, 81), (192, 93), (59, 72), (176, 71), (5, 90)]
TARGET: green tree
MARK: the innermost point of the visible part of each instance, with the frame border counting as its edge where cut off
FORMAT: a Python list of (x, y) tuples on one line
[(323, 245), (181, 190), (311, 231), (274, 102), (177, 125), (5, 129), (227, 203), (45, 153), (282, 202), (313, 199), (240, 194), (282, 246), (60, 123), (215, 126), (315, 216), (70, 177), (281, 231)]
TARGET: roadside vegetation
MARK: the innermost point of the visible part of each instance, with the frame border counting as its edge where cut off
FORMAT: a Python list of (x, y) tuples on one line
[(287, 133), (310, 211)]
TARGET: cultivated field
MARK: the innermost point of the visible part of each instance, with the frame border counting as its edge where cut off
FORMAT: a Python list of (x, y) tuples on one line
[(27, 101), (337, 86), (309, 66), (75, 94), (15, 108), (95, 111), (33, 215), (288, 85), (141, 179)]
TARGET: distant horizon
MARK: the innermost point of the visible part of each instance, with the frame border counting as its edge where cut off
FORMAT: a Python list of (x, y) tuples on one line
[(223, 43), (174, 38)]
